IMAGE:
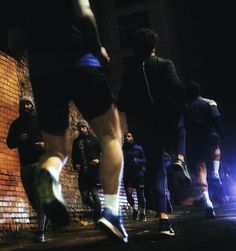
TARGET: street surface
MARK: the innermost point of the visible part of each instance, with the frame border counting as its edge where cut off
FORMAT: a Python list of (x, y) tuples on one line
[(193, 232)]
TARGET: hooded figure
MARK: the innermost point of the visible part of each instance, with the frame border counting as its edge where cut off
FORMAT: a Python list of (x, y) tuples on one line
[(25, 133)]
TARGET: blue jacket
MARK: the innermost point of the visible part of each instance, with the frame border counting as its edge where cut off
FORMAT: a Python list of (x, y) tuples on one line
[(134, 160)]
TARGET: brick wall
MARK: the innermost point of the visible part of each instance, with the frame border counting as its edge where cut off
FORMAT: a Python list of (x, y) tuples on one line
[(16, 214), (14, 208)]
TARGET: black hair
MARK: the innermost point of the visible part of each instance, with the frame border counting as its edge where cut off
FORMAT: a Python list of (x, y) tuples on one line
[(144, 41), (193, 89)]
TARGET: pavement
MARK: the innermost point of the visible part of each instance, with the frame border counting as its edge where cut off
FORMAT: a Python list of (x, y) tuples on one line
[(193, 232)]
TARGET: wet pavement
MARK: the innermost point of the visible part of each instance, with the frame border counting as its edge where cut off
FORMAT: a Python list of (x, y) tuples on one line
[(193, 232)]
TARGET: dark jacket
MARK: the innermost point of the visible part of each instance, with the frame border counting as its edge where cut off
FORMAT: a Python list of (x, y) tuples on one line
[(155, 104), (29, 152), (203, 119), (85, 149)]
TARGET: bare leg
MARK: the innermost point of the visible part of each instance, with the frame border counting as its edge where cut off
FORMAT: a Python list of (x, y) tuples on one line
[(107, 128), (49, 188), (202, 180), (216, 161), (57, 150)]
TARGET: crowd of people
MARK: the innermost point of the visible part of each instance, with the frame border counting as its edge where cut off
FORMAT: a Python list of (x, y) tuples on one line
[(164, 115)]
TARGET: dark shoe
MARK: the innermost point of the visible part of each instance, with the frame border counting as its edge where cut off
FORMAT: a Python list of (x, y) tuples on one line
[(165, 228), (135, 214), (210, 213), (52, 199), (180, 165), (142, 217), (39, 237), (112, 225)]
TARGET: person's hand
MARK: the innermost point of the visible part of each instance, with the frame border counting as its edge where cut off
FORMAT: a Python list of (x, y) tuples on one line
[(103, 56), (94, 162), (40, 144), (22, 137)]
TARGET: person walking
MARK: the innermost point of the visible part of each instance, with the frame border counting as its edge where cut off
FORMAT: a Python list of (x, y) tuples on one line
[(134, 175), (65, 58), (204, 129), (152, 98)]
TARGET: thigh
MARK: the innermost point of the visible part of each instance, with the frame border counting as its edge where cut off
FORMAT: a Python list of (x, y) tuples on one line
[(52, 100), (91, 93)]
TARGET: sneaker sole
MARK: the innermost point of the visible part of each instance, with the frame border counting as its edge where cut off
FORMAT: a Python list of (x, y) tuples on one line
[(111, 230), (166, 233), (54, 208)]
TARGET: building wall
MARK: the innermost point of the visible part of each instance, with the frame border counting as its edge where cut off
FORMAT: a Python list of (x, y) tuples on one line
[(14, 208)]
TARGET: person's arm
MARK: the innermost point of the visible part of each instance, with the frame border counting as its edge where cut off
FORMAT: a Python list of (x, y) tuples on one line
[(82, 12), (12, 136), (141, 160), (175, 84), (219, 127), (97, 149), (217, 119), (75, 155)]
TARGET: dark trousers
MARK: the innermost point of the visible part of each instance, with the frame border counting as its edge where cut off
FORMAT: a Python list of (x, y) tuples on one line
[(136, 182), (27, 174), (156, 176), (89, 189)]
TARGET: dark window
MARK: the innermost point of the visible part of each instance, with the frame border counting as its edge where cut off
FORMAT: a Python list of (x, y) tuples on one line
[(128, 24), (122, 3)]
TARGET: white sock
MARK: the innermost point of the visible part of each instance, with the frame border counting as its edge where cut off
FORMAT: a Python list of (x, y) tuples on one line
[(216, 167), (111, 201), (55, 172), (207, 199)]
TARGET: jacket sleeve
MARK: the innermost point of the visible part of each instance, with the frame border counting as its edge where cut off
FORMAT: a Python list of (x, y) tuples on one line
[(141, 160), (12, 136), (217, 119), (175, 84), (75, 153)]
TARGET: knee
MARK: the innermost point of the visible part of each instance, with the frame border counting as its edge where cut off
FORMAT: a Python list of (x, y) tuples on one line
[(58, 145), (217, 154)]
